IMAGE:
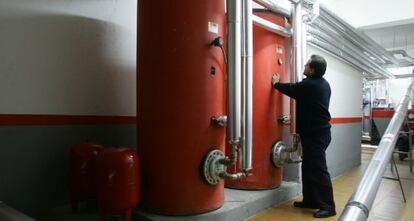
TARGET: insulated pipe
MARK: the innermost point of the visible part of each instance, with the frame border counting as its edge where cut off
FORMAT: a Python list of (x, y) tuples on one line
[(361, 201), (271, 26), (276, 7), (337, 52), (304, 45), (297, 52), (247, 82), (357, 38), (352, 37), (350, 49), (234, 82), (297, 40), (358, 60)]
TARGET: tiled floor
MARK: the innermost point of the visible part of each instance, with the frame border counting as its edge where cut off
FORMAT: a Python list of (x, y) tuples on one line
[(388, 205)]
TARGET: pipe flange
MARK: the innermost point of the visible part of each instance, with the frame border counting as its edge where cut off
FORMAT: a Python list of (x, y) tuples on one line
[(279, 154), (212, 168)]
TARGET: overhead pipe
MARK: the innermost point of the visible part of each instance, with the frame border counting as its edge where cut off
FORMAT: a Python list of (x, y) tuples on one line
[(340, 54), (360, 203), (270, 26), (348, 48), (328, 23), (333, 28), (278, 8), (358, 38)]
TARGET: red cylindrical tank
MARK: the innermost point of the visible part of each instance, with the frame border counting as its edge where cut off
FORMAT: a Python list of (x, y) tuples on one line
[(118, 182), (181, 86), (82, 171), (269, 55)]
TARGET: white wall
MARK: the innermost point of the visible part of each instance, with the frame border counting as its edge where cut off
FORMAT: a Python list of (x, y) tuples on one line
[(344, 152), (397, 88), (71, 57), (346, 86)]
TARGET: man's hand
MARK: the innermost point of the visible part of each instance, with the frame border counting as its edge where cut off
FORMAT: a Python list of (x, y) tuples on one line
[(275, 79)]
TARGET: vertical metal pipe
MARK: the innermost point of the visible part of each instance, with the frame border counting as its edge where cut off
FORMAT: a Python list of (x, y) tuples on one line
[(297, 50), (304, 45), (234, 59), (247, 126), (361, 201)]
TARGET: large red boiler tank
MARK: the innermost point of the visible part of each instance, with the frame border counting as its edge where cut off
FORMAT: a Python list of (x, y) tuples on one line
[(82, 171), (181, 86), (268, 59), (118, 182)]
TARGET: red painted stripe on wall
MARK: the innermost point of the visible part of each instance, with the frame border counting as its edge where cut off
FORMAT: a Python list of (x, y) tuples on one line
[(346, 120), (22, 119)]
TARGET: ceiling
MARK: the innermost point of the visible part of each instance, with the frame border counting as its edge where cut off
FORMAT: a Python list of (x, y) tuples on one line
[(389, 23)]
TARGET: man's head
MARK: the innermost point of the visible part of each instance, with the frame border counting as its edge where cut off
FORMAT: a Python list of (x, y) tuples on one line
[(316, 66)]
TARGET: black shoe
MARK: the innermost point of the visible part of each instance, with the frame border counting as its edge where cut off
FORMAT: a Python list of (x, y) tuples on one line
[(305, 205), (324, 213)]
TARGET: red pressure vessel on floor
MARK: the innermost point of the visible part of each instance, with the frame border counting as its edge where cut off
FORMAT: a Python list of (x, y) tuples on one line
[(268, 59), (118, 182), (82, 171), (181, 86)]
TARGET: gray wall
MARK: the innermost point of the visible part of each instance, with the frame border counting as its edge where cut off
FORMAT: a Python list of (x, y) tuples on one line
[(34, 161), (342, 155), (344, 152)]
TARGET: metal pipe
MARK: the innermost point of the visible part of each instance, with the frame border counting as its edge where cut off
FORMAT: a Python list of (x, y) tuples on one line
[(340, 54), (270, 26), (361, 201), (297, 41), (247, 82), (234, 66), (349, 35), (297, 52), (360, 39), (276, 7), (304, 45), (348, 48)]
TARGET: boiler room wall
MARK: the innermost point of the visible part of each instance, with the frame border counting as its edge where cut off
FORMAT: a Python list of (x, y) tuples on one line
[(68, 73), (344, 152)]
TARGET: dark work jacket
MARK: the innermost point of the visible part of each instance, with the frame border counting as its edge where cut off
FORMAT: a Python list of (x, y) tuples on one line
[(312, 96)]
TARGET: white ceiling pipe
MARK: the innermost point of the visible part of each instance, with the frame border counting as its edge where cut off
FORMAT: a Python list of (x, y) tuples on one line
[(364, 41), (284, 10), (345, 56), (348, 48), (270, 26), (326, 23)]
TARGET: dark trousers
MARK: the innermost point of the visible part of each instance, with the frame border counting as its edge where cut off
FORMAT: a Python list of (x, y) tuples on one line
[(316, 181)]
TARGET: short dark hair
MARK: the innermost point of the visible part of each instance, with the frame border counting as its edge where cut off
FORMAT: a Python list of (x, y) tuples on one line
[(318, 64)]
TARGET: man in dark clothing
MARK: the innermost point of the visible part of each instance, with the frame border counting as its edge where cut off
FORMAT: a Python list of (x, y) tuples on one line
[(312, 124)]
